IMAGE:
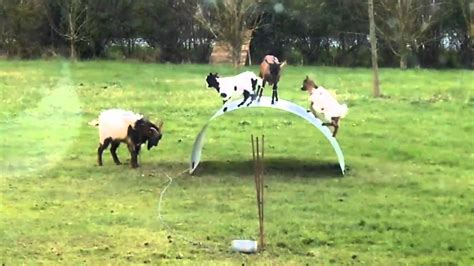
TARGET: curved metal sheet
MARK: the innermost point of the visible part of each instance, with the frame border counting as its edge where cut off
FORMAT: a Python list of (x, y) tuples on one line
[(266, 102)]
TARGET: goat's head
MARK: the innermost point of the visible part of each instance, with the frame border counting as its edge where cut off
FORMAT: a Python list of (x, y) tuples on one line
[(212, 82), (308, 85), (154, 134), (149, 132), (274, 65), (254, 84)]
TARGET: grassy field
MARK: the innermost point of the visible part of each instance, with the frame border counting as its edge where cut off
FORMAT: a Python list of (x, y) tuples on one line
[(407, 197)]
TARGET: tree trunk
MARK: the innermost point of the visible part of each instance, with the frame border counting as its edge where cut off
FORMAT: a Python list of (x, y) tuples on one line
[(373, 49), (403, 61), (73, 49), (235, 53), (72, 33)]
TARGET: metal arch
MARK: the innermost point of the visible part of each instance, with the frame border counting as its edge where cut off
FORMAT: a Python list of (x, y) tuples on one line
[(266, 102)]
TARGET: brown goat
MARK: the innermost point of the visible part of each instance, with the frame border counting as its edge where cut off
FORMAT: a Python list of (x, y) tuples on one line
[(270, 70)]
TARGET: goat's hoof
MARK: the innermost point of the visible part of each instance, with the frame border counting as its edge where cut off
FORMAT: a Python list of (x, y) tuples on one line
[(118, 163)]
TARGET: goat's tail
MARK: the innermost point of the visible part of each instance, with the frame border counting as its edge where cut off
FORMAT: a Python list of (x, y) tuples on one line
[(94, 123)]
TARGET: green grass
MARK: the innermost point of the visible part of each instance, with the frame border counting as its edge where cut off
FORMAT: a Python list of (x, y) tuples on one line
[(407, 197)]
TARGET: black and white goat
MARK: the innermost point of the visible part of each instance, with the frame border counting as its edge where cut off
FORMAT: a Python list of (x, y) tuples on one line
[(117, 126), (245, 83), (270, 71)]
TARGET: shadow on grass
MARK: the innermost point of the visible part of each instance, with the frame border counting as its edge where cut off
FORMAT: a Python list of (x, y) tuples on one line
[(273, 166)]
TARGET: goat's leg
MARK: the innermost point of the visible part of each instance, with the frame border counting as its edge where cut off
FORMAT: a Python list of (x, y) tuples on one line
[(99, 154), (260, 91), (113, 151), (133, 154), (336, 128), (251, 100), (137, 152), (274, 93), (246, 96), (251, 96), (335, 124), (100, 150)]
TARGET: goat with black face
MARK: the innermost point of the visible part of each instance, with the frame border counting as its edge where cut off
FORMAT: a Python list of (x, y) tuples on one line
[(117, 126), (270, 71)]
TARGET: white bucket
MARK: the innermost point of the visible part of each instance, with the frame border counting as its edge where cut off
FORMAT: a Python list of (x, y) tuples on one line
[(245, 246)]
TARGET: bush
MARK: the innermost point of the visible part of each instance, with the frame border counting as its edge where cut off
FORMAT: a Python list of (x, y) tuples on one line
[(294, 57)]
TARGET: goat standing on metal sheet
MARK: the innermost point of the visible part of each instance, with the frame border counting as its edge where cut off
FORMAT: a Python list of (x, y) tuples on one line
[(245, 83), (116, 126), (270, 69), (324, 105)]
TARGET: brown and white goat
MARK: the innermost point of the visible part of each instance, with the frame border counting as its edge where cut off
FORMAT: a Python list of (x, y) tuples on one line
[(270, 71), (324, 105)]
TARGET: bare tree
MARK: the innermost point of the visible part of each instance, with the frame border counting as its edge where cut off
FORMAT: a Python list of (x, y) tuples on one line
[(404, 24), (373, 49), (230, 21), (467, 9), (74, 18)]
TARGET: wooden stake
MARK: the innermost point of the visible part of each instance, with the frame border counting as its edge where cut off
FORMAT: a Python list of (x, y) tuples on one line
[(258, 177)]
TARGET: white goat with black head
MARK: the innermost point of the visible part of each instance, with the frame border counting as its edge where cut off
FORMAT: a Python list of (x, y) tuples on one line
[(245, 83), (117, 126)]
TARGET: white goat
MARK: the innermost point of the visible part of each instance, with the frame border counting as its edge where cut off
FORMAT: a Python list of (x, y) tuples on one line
[(245, 83), (324, 105)]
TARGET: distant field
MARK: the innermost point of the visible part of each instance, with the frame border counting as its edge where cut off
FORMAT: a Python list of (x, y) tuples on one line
[(407, 197)]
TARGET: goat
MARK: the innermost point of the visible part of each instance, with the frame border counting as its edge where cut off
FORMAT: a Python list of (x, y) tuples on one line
[(324, 105), (245, 83), (117, 125), (270, 70)]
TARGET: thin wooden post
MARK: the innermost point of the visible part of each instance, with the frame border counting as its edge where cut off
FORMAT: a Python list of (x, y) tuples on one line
[(258, 177)]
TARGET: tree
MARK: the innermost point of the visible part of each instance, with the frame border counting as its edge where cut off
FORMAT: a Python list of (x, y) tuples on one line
[(73, 19), (229, 21), (21, 27), (373, 48), (404, 24)]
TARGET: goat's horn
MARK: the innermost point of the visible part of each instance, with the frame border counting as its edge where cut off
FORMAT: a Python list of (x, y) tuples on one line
[(160, 125)]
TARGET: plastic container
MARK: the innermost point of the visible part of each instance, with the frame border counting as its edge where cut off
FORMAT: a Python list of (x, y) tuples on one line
[(244, 246)]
